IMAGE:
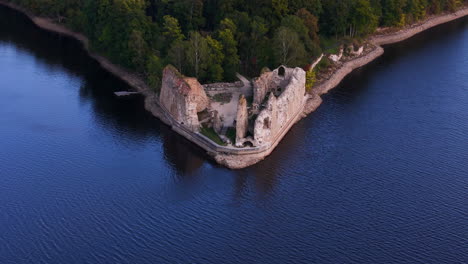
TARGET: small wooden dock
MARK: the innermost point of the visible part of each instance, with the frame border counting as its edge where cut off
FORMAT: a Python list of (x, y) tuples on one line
[(125, 93)]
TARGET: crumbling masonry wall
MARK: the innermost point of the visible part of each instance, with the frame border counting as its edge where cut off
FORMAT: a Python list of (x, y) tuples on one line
[(279, 111), (270, 81), (242, 124), (183, 98)]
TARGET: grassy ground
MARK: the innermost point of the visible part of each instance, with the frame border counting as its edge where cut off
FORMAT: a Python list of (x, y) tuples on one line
[(211, 134), (231, 134)]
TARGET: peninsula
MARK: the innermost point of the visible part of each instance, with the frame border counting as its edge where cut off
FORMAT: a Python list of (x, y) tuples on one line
[(240, 123)]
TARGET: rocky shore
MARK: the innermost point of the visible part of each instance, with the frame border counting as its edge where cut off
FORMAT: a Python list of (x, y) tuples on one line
[(377, 40), (313, 101)]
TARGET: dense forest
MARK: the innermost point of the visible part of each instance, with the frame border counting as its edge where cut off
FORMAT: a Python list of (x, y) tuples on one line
[(214, 39)]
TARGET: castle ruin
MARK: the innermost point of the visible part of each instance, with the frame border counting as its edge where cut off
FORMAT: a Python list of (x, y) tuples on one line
[(182, 98), (245, 115)]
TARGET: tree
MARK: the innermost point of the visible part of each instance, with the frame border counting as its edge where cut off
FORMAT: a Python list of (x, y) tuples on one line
[(197, 53), (172, 30), (153, 72), (176, 54), (288, 48), (311, 22), (312, 6), (258, 47), (393, 14), (138, 47), (280, 7), (227, 24), (297, 25), (434, 6), (415, 10), (336, 14), (189, 12), (231, 59), (215, 60), (452, 5), (226, 36), (363, 21)]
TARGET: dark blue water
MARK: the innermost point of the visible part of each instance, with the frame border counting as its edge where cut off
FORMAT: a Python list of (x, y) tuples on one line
[(379, 174)]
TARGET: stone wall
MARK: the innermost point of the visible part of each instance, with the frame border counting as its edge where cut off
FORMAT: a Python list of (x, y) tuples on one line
[(266, 124), (271, 81), (242, 119), (261, 86), (182, 98), (279, 111), (222, 86)]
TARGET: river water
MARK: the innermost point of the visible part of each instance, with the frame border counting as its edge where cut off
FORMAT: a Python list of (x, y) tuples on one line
[(378, 174)]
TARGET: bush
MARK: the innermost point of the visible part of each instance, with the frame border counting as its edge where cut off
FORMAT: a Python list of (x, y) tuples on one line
[(310, 80), (154, 72), (323, 64)]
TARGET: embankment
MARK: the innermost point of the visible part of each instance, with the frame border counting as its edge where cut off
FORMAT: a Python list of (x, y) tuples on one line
[(377, 40)]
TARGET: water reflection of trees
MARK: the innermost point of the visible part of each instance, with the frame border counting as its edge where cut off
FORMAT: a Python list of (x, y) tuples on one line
[(126, 118)]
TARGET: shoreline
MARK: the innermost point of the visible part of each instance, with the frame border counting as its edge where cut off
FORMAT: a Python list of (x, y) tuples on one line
[(378, 40), (239, 160), (315, 100), (132, 79)]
